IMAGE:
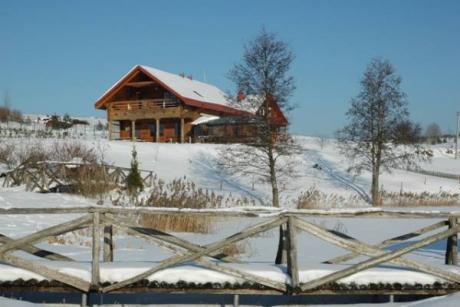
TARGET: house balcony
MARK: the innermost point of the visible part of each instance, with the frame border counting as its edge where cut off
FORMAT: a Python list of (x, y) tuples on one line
[(143, 109)]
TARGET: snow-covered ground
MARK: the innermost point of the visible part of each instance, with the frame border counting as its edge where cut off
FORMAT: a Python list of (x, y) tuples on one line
[(320, 166)]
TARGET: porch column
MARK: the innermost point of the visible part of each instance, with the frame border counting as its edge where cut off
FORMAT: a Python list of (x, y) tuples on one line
[(109, 122), (110, 129), (133, 130), (182, 136), (157, 130)]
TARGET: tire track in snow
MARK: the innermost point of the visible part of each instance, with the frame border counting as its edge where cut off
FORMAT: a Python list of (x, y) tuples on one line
[(336, 175)]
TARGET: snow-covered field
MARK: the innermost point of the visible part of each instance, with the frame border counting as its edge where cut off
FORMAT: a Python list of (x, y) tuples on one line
[(197, 163)]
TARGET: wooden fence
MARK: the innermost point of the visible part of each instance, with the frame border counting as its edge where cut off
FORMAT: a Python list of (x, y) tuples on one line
[(101, 221), (435, 173), (43, 176)]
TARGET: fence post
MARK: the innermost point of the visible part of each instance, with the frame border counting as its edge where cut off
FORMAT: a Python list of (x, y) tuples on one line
[(451, 247), (42, 178), (292, 264), (95, 276), (108, 243), (281, 255)]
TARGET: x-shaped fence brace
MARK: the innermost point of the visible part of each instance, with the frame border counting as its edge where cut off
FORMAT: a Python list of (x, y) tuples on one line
[(43, 175), (211, 257)]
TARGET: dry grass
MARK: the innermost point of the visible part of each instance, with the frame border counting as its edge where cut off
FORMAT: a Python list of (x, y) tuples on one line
[(171, 223), (183, 193), (32, 151), (315, 199), (89, 180), (425, 199), (6, 154)]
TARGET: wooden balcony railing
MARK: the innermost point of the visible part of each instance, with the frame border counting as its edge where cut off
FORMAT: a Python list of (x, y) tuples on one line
[(145, 104)]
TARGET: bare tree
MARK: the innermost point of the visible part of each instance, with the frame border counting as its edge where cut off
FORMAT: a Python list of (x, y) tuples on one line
[(262, 76), (370, 139), (433, 133), (407, 132)]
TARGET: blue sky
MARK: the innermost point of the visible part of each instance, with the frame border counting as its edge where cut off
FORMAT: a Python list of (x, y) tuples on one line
[(60, 56)]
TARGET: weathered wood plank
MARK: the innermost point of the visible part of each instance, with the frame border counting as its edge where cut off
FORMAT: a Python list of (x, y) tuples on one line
[(247, 232), (150, 234), (162, 239), (385, 257), (451, 248), (242, 275), (46, 272), (241, 291), (236, 213), (108, 243), (95, 248), (48, 232), (390, 242), (356, 246), (292, 264), (37, 251)]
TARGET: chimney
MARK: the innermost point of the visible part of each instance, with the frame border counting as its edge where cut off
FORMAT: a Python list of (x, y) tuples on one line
[(240, 96)]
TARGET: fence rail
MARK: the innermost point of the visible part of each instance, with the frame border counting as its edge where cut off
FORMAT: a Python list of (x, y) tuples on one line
[(435, 173), (102, 221)]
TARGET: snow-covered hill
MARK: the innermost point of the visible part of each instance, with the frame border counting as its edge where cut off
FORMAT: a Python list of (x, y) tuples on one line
[(320, 166)]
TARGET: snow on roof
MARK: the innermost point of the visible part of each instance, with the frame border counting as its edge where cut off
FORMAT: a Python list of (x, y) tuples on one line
[(204, 118), (189, 88)]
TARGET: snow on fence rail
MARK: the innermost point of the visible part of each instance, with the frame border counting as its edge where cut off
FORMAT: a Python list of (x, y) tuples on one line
[(102, 221)]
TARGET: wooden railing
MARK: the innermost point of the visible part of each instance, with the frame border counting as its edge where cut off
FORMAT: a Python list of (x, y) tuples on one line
[(144, 104), (44, 175), (209, 256)]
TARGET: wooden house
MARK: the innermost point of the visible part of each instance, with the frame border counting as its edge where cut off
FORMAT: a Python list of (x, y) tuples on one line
[(152, 105)]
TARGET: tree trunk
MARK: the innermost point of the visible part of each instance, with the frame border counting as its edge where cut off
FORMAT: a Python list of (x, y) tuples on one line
[(376, 201), (281, 254)]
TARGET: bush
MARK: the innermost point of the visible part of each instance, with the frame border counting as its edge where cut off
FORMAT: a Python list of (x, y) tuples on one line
[(56, 123), (134, 183)]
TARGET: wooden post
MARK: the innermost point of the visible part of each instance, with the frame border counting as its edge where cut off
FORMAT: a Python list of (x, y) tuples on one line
[(182, 136), (133, 130), (95, 276), (451, 248), (281, 254), (43, 186), (84, 299), (109, 121), (236, 300), (108, 243), (292, 264), (157, 130)]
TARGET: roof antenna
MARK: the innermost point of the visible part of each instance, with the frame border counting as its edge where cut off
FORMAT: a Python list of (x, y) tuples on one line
[(204, 77)]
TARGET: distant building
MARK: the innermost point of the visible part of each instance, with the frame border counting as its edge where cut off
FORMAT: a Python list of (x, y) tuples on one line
[(152, 105)]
